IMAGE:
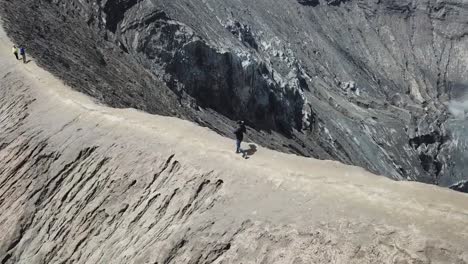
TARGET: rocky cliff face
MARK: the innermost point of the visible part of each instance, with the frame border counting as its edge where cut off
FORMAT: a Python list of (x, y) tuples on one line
[(379, 84)]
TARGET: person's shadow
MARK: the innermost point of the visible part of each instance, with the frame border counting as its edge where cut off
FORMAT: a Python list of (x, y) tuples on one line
[(247, 153)]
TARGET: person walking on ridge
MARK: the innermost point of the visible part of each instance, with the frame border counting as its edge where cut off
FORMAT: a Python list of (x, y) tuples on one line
[(239, 132), (23, 54), (15, 51)]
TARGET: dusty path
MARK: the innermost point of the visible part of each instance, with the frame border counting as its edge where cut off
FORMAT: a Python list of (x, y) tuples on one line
[(84, 183)]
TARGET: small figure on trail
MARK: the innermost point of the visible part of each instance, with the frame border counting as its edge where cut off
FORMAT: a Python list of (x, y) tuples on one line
[(15, 51), (240, 135), (23, 54)]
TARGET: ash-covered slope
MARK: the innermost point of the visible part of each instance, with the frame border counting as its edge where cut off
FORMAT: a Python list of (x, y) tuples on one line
[(365, 82), (84, 183)]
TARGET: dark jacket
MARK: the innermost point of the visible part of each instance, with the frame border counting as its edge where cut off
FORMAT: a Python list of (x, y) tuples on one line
[(22, 51), (240, 132)]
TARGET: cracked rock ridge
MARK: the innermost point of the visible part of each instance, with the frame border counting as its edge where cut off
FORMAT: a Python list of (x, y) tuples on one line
[(377, 84)]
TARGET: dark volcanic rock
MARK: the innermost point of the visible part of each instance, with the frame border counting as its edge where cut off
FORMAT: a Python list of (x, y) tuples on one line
[(336, 2), (309, 2), (461, 186), (317, 2), (243, 32), (379, 84)]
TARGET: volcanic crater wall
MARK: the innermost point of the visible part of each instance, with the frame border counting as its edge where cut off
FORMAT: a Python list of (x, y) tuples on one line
[(364, 82)]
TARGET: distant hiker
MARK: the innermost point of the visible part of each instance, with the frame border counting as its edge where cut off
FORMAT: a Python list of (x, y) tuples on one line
[(240, 135), (15, 51), (23, 54)]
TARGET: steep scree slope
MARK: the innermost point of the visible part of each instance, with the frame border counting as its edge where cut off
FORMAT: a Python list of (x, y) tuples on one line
[(365, 82)]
